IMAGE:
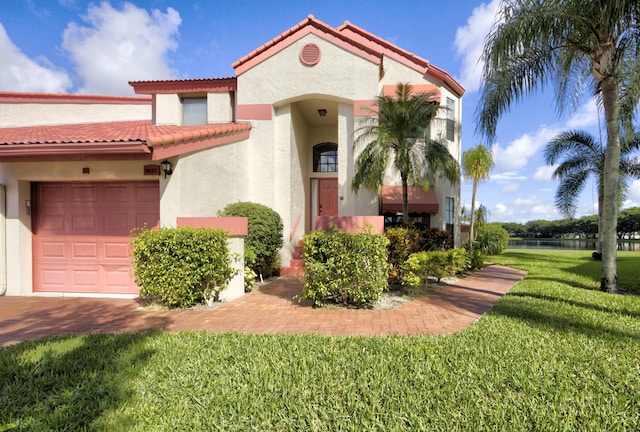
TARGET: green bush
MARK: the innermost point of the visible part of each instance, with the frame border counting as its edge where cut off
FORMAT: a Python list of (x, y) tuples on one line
[(432, 239), (250, 275), (420, 266), (492, 240), (181, 267), (403, 241), (345, 268), (264, 235), (476, 260)]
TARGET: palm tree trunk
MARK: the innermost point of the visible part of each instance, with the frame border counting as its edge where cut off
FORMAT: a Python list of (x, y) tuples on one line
[(609, 278), (600, 216), (473, 214), (405, 201)]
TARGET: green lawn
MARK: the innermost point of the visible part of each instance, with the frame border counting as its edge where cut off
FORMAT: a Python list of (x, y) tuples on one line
[(553, 354)]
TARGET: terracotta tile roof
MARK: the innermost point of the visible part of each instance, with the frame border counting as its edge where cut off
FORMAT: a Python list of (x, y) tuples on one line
[(310, 21), (211, 85), (140, 130), (126, 137), (59, 98)]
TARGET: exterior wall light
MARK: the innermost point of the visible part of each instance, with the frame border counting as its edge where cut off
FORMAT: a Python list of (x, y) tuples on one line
[(322, 112), (166, 167)]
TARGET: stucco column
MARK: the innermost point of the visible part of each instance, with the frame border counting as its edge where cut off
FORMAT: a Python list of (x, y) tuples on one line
[(346, 198)]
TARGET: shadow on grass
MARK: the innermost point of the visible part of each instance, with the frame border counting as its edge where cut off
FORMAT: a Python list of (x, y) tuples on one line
[(557, 320), (594, 307), (70, 383)]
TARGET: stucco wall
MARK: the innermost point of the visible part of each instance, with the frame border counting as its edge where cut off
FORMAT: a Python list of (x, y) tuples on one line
[(338, 73), (40, 114)]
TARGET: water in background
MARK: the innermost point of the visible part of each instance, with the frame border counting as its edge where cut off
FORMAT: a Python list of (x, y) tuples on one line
[(581, 244)]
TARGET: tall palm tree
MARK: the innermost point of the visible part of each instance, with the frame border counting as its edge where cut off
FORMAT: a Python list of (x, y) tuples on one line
[(477, 163), (574, 44), (397, 138), (583, 156)]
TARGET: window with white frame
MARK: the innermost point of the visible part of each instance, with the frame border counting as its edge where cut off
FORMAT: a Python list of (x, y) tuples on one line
[(194, 111), (451, 111), (450, 205)]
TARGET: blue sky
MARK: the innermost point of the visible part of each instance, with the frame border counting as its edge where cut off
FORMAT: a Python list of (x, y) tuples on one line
[(74, 46)]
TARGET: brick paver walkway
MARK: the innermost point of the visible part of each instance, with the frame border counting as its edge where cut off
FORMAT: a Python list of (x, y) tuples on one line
[(271, 309)]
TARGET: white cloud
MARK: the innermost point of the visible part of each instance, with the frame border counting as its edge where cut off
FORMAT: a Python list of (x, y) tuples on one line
[(470, 41), (516, 155), (117, 46), (507, 177), (510, 188), (544, 172), (522, 210), (20, 73), (586, 116)]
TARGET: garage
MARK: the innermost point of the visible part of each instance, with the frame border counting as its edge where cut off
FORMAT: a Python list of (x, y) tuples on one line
[(81, 234)]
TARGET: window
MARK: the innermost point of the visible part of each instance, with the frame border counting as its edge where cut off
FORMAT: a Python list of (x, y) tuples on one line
[(451, 110), (418, 220), (325, 157), (449, 212), (194, 111)]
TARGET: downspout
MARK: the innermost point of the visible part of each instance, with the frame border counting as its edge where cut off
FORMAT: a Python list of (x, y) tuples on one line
[(3, 240)]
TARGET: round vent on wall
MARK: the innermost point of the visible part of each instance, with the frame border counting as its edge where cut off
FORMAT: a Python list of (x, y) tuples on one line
[(310, 54)]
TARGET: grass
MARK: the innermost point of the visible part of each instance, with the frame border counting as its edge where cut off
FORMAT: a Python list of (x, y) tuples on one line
[(553, 354)]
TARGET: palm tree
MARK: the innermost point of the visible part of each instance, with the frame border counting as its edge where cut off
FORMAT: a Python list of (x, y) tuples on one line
[(583, 157), (575, 44), (477, 163), (397, 138)]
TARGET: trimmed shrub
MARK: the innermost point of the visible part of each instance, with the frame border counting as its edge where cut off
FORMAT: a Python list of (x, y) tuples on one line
[(403, 241), (420, 266), (344, 268), (264, 234), (492, 240), (181, 267)]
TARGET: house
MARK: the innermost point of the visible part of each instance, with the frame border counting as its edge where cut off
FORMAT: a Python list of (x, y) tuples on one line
[(78, 172)]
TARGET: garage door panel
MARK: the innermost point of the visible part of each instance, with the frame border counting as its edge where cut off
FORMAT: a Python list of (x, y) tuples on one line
[(120, 251), (52, 222), (86, 247), (85, 250), (117, 194), (83, 222), (147, 194), (85, 278), (116, 223), (84, 194), (52, 194), (52, 249)]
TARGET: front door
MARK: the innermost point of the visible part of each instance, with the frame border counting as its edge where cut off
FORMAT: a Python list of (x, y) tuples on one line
[(328, 197)]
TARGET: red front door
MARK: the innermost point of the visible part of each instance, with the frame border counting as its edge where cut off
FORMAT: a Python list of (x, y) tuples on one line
[(328, 197)]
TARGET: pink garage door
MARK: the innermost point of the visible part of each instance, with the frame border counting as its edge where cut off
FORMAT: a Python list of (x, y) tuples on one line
[(81, 234)]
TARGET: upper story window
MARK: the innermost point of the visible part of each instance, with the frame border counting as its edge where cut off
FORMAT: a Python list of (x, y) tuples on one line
[(325, 157), (451, 111), (194, 111)]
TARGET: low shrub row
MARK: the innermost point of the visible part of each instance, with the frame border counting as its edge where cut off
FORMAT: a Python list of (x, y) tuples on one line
[(421, 266), (407, 240)]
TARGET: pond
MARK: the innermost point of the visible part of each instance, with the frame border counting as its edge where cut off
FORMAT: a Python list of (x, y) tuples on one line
[(578, 244)]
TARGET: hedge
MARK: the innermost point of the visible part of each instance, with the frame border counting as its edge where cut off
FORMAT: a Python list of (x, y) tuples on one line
[(344, 268), (181, 267)]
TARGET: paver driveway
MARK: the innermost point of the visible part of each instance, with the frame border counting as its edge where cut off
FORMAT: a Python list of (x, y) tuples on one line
[(270, 309)]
